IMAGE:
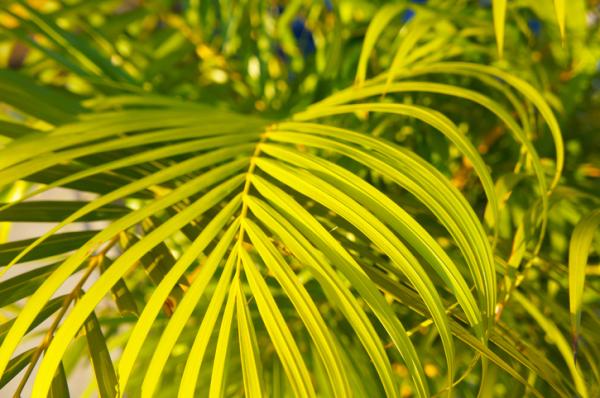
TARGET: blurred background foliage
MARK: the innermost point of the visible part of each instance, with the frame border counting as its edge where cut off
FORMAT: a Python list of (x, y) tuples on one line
[(276, 58)]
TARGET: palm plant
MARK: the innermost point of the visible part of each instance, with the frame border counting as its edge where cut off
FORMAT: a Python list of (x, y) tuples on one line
[(338, 198)]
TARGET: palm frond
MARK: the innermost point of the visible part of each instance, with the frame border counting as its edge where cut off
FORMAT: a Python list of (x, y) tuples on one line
[(272, 219)]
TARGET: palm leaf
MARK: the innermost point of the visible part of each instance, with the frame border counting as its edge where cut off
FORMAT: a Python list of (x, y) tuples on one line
[(306, 236)]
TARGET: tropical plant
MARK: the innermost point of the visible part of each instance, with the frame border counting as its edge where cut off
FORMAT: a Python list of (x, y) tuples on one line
[(300, 198)]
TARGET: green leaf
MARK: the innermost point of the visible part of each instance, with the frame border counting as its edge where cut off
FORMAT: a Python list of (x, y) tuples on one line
[(157, 263), (163, 175), (400, 221), (380, 21), (314, 243), (16, 365), (122, 296), (561, 16), (283, 341), (160, 294), (95, 294), (499, 9), (79, 49), (220, 367), (53, 211), (558, 339), (337, 292), (36, 100), (305, 306), (435, 119), (50, 308), (368, 291), (249, 351), (378, 233), (24, 284), (16, 130), (54, 245), (579, 248), (415, 175), (522, 86), (106, 377), (203, 336), (60, 386)]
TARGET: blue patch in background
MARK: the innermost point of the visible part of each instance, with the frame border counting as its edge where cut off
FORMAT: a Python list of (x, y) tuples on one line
[(535, 25), (304, 37), (407, 15)]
